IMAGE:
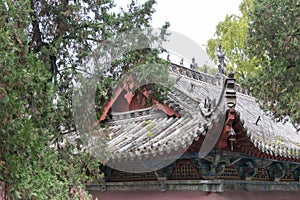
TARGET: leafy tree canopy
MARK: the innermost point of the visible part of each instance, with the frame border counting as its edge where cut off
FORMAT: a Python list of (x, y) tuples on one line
[(274, 38), (262, 47), (231, 34), (42, 46)]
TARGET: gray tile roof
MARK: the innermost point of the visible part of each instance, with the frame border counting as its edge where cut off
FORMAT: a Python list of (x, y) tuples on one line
[(148, 132), (275, 138)]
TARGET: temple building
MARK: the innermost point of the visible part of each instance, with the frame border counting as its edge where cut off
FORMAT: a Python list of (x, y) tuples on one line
[(208, 135)]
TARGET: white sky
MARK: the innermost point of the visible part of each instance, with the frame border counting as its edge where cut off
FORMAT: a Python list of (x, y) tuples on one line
[(195, 19)]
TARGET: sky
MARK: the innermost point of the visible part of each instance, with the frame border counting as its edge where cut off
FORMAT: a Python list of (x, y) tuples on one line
[(195, 19)]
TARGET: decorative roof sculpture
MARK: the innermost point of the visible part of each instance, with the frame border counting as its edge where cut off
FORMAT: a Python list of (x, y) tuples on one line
[(221, 60)]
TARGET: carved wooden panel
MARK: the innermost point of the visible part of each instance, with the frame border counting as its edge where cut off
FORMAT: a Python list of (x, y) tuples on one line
[(123, 176), (230, 172), (261, 174), (185, 170), (288, 176)]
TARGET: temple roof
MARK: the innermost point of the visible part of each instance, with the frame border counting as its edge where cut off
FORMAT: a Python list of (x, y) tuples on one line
[(203, 102)]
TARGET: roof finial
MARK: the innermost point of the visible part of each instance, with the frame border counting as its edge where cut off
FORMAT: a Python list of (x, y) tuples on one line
[(221, 58), (231, 74), (258, 119), (193, 65), (181, 61)]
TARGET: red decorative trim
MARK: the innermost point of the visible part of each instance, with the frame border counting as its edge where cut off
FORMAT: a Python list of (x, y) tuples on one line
[(110, 103), (231, 117), (166, 109), (129, 97)]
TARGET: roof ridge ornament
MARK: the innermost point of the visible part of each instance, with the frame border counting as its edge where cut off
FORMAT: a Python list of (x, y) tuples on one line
[(194, 64), (221, 59), (230, 90)]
